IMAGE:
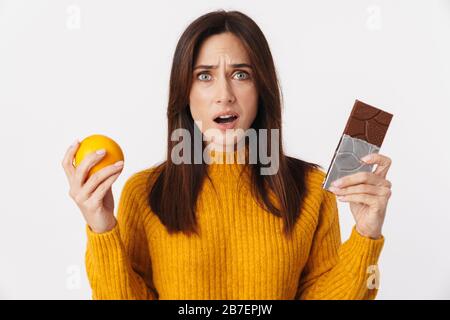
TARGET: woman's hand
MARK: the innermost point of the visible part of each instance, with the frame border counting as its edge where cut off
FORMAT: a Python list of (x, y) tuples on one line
[(94, 197), (368, 194)]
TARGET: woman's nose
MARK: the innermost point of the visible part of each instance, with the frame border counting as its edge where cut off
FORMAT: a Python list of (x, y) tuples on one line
[(224, 93)]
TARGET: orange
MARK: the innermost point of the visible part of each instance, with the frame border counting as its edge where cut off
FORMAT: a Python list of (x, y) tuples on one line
[(95, 142)]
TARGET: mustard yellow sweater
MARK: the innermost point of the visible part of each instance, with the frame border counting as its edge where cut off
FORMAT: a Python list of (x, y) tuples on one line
[(241, 252)]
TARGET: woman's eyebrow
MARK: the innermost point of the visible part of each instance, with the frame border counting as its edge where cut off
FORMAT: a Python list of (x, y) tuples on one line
[(235, 65)]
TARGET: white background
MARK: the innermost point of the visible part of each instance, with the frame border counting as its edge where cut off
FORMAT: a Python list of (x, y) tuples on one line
[(69, 69)]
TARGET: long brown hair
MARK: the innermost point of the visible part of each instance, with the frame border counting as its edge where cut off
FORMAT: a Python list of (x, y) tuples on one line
[(175, 187)]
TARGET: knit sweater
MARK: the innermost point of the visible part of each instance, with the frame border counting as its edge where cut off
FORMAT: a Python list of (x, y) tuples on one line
[(241, 251)]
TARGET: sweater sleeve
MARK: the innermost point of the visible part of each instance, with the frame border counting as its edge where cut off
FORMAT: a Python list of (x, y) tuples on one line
[(118, 261), (339, 271)]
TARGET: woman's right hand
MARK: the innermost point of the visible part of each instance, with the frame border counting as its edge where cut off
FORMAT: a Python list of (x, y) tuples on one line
[(94, 197)]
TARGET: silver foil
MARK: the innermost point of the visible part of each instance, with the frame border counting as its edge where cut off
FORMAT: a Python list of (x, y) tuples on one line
[(347, 159)]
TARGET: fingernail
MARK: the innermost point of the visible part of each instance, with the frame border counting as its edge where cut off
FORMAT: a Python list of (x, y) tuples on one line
[(337, 183), (119, 163), (365, 158), (333, 189), (74, 143), (100, 152)]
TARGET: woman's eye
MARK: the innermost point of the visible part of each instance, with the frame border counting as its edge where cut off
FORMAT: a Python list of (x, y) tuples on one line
[(242, 75), (204, 76)]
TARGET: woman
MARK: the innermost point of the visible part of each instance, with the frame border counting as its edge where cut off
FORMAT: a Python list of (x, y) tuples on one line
[(204, 228)]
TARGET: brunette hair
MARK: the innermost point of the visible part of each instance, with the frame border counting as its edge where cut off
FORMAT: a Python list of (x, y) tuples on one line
[(174, 188)]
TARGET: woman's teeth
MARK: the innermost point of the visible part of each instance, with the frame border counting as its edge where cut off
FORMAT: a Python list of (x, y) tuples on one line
[(225, 119)]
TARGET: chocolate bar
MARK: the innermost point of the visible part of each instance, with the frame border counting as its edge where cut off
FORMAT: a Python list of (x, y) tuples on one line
[(364, 133)]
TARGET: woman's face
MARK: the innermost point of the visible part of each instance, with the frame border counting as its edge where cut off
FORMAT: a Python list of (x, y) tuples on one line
[(223, 95)]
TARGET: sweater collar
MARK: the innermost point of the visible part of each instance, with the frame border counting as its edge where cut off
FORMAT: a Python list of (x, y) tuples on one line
[(219, 157), (227, 163)]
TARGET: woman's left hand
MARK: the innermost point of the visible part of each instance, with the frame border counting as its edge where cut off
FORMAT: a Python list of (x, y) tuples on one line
[(368, 194)]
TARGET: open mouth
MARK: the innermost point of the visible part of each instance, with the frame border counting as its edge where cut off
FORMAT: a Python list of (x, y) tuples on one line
[(225, 118)]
